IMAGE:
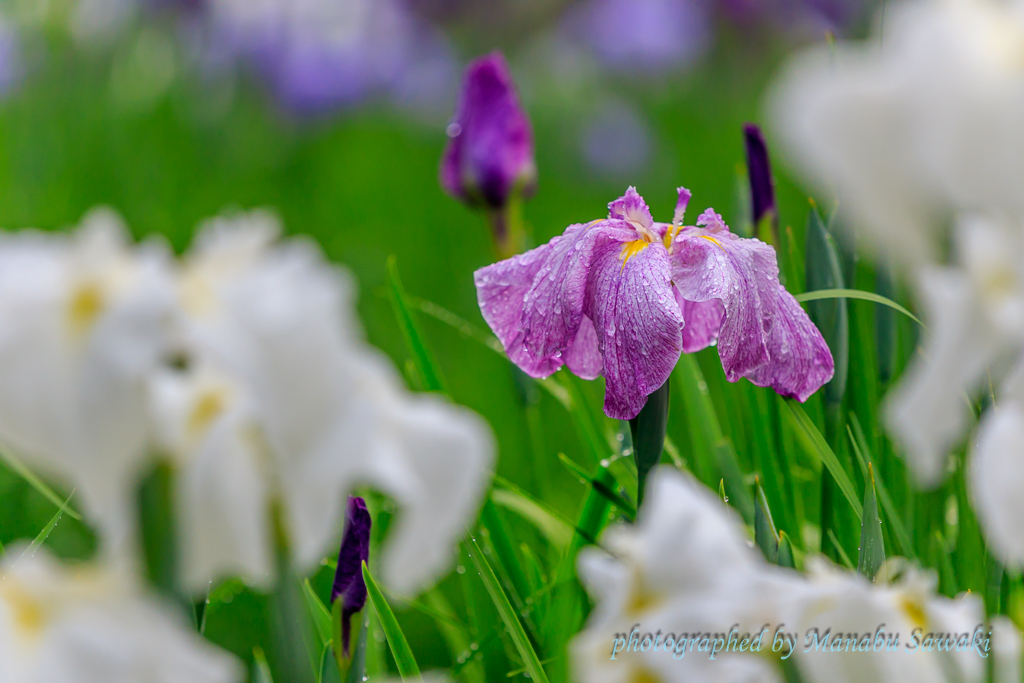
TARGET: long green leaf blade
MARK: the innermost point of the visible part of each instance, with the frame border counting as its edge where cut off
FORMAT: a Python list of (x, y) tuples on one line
[(38, 484), (319, 612), (48, 529), (422, 358), (816, 444), (855, 294), (508, 615), (407, 667), (765, 535), (556, 530), (872, 547), (860, 449)]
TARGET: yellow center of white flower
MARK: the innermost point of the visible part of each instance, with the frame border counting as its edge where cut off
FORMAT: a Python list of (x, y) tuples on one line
[(209, 404), (84, 308), (27, 614)]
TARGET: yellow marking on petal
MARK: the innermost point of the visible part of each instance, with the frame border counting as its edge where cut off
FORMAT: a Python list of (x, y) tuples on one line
[(641, 598), (29, 616), (913, 610), (631, 249), (642, 674), (211, 403), (709, 238), (85, 307)]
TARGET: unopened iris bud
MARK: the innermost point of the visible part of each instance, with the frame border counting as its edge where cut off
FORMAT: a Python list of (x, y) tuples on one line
[(489, 162), (762, 187), (348, 595)]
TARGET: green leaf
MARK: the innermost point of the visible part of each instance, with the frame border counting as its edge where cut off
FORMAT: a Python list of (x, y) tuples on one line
[(329, 672), (739, 494), (648, 431), (319, 612), (508, 615), (422, 358), (38, 484), (262, 668), (860, 449), (816, 445), (824, 271), (785, 556), (855, 294), (843, 557), (602, 486), (41, 537), (765, 535), (872, 547), (556, 530), (885, 322), (404, 660)]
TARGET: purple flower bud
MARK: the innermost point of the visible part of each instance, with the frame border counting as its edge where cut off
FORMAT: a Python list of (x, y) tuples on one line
[(348, 578), (762, 188), (490, 151)]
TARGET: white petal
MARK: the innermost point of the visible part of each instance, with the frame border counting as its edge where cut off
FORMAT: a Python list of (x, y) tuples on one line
[(996, 480), (929, 410), (1006, 648)]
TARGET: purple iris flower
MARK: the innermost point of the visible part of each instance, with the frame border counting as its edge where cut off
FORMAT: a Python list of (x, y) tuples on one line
[(348, 578), (490, 150), (623, 296)]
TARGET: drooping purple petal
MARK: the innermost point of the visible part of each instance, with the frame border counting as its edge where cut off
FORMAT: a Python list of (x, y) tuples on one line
[(637, 321), (800, 361), (490, 149), (348, 578), (702, 321), (742, 273), (553, 307), (759, 170), (501, 289), (631, 208), (583, 357)]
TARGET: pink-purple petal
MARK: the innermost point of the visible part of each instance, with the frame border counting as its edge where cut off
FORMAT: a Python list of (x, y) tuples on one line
[(501, 289), (631, 208), (682, 200), (583, 357), (742, 273), (800, 361), (553, 306), (702, 321), (638, 324)]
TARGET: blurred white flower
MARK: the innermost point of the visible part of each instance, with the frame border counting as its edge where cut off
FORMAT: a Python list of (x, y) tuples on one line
[(850, 607), (975, 313), (84, 320), (83, 624), (687, 567), (283, 407), (914, 123)]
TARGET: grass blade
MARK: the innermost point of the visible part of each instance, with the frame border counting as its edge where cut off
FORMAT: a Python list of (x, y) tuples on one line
[(765, 535), (41, 537), (648, 431), (856, 294), (872, 547), (816, 445), (508, 615), (422, 358), (319, 612), (407, 667), (38, 484), (860, 449), (262, 668), (824, 271), (557, 531)]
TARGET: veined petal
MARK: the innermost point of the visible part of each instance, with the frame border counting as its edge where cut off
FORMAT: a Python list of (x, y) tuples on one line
[(583, 357), (928, 410), (631, 208), (800, 361), (702, 321), (743, 275), (638, 324), (996, 478), (501, 289)]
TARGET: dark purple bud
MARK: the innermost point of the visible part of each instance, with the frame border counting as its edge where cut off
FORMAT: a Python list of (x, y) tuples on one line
[(348, 578), (762, 188), (490, 150)]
